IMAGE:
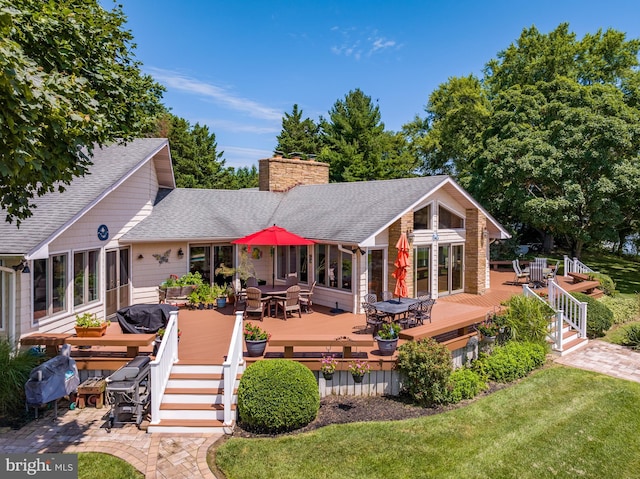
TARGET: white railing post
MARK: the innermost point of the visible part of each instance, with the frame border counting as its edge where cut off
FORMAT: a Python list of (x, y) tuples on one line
[(567, 265), (231, 367), (559, 327), (161, 366)]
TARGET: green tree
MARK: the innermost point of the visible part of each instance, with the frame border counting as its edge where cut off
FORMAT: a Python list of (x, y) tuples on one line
[(245, 177), (68, 81), (357, 146), (298, 135), (551, 136)]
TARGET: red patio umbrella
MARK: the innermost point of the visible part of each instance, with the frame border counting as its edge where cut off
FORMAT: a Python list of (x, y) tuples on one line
[(273, 236), (401, 263)]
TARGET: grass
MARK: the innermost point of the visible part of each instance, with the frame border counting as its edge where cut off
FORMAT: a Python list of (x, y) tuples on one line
[(559, 422), (623, 270), (616, 334), (96, 465)]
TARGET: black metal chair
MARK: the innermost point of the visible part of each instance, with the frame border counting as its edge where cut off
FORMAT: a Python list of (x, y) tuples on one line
[(374, 320)]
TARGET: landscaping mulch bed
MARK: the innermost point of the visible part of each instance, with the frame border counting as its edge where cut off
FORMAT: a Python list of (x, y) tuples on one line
[(346, 409)]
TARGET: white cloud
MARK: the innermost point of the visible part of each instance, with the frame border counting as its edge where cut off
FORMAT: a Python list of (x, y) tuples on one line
[(381, 44), (239, 157), (372, 43), (235, 127), (219, 95)]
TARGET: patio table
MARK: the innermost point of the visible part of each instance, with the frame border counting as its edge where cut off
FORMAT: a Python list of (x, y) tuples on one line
[(270, 292), (394, 307)]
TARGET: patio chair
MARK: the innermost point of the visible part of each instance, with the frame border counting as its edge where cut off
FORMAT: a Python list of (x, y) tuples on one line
[(241, 297), (540, 261), (291, 279), (374, 321), (536, 275), (290, 302), (551, 275), (387, 295), (373, 298), (252, 282), (256, 303), (306, 298), (519, 273)]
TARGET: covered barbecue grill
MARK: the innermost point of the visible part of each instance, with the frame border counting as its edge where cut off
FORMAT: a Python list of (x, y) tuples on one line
[(144, 318), (129, 392)]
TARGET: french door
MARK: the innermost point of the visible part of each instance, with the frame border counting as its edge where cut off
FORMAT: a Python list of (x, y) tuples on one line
[(117, 280), (422, 273), (450, 268)]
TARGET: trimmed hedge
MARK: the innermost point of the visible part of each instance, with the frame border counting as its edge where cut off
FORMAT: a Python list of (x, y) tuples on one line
[(511, 361), (607, 285), (599, 316), (425, 367), (277, 395), (465, 383)]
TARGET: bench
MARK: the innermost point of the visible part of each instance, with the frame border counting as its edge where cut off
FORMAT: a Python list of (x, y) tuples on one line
[(328, 340), (51, 341), (579, 277), (131, 341)]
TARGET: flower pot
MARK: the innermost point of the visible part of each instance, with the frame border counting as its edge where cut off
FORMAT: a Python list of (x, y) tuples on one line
[(489, 339), (91, 332), (221, 302), (327, 376), (255, 348), (387, 346), (357, 378)]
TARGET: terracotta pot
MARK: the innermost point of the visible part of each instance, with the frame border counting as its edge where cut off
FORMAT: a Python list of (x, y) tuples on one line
[(91, 332)]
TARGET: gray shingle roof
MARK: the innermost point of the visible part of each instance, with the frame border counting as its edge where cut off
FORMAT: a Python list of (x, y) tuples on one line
[(342, 212), (54, 210)]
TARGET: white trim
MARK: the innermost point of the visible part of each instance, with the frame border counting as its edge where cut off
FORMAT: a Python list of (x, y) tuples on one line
[(35, 252)]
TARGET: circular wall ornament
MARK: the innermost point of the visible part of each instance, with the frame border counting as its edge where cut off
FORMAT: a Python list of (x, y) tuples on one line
[(103, 233)]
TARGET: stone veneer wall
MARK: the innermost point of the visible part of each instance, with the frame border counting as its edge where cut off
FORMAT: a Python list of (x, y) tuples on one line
[(475, 252), (403, 225), (282, 174)]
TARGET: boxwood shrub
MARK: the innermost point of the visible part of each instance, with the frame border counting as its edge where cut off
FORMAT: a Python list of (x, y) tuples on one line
[(512, 361), (425, 367), (599, 316), (466, 383), (277, 395)]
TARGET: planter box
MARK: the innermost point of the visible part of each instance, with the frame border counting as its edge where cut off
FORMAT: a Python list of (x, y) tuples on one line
[(93, 332)]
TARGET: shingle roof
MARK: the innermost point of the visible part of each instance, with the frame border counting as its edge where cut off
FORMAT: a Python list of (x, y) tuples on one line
[(54, 210), (342, 212)]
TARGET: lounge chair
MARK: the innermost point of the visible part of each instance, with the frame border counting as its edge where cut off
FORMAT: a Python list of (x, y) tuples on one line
[(306, 298), (519, 273), (289, 303), (256, 303)]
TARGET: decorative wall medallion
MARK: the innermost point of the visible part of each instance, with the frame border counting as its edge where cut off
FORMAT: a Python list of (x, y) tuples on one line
[(162, 258), (103, 233)]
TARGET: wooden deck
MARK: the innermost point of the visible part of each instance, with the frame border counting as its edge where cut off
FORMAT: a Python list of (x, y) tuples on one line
[(206, 333)]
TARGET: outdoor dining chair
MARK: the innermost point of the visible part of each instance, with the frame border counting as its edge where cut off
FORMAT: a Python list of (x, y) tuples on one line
[(306, 298), (372, 298), (291, 279), (519, 273), (289, 303), (387, 295), (374, 321), (252, 282), (536, 275), (256, 303)]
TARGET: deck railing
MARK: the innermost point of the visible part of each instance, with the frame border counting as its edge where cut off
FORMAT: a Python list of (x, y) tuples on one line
[(575, 266), (161, 366), (231, 367)]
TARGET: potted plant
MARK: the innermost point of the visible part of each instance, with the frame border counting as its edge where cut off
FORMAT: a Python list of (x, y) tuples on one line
[(489, 331), (255, 339), (358, 369), (88, 325), (387, 338), (328, 366), (219, 294)]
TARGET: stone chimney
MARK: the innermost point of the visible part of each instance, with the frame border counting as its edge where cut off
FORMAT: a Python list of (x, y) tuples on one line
[(282, 174)]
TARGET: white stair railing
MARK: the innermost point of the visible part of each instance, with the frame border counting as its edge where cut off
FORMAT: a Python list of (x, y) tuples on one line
[(554, 331), (575, 266), (574, 312), (161, 366), (230, 368)]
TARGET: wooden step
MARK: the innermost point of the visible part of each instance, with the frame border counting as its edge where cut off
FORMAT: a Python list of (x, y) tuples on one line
[(193, 406), (208, 376), (191, 426), (194, 391)]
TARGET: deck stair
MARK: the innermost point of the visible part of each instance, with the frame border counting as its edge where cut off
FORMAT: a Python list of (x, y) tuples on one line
[(193, 401)]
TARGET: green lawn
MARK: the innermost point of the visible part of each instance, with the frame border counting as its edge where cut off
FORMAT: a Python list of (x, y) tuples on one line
[(559, 422), (96, 465), (624, 271)]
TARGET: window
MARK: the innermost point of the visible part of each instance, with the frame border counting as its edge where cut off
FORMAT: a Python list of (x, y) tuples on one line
[(333, 267), (449, 220), (292, 259), (85, 277), (422, 218), (50, 286)]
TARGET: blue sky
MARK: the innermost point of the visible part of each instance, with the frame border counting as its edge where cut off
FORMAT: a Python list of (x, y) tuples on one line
[(239, 66)]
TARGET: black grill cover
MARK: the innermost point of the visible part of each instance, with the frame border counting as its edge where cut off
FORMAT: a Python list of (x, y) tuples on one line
[(144, 318), (56, 378)]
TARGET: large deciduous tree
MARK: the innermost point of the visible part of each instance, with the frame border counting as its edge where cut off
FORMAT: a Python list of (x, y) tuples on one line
[(68, 81), (357, 146), (550, 136), (298, 136)]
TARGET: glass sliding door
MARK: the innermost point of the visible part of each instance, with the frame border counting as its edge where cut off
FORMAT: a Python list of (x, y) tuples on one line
[(443, 269), (375, 266), (200, 262), (457, 268), (117, 280), (450, 268), (422, 273)]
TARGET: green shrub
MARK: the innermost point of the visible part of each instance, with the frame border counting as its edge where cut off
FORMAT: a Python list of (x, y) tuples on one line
[(277, 395), (599, 317), (527, 319), (632, 336), (465, 383), (607, 284), (512, 361), (624, 309), (15, 367), (425, 367)]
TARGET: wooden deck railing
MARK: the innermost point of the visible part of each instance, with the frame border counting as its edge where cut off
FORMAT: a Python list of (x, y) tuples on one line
[(231, 367), (161, 366)]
